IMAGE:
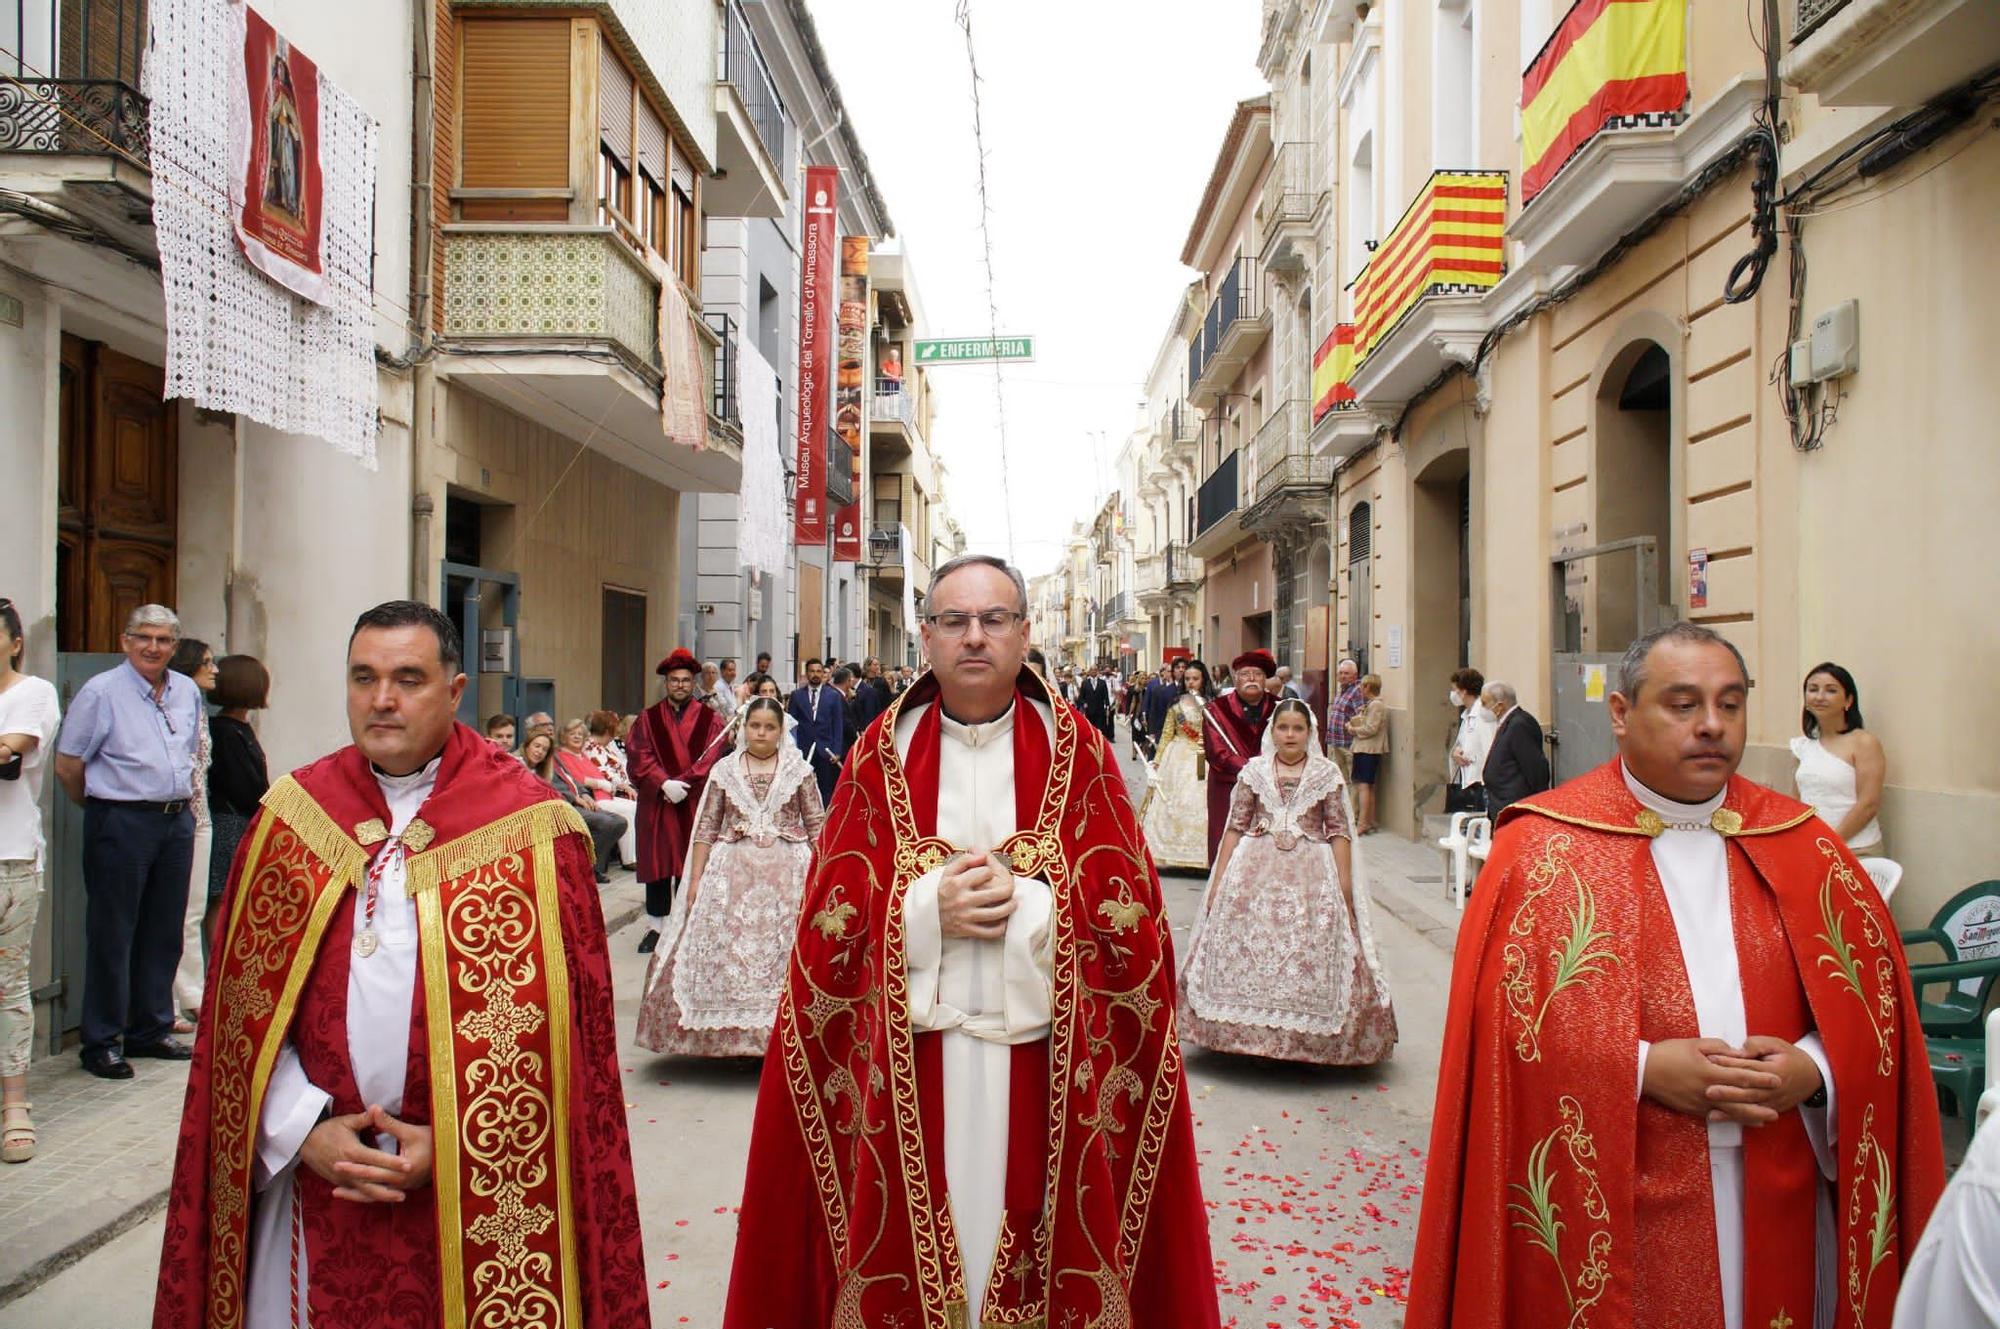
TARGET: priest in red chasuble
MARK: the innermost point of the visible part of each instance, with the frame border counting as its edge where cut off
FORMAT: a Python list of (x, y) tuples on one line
[(973, 1111), (1234, 733), (1682, 1081), (405, 1110), (669, 753)]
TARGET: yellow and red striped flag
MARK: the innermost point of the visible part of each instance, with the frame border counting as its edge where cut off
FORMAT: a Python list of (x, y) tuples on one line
[(1607, 59), (1454, 235), (1333, 365)]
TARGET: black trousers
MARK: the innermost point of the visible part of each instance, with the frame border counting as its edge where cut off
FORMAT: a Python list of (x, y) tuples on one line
[(826, 770), (660, 896), (135, 876)]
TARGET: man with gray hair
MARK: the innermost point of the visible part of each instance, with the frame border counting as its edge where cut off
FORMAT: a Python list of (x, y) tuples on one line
[(1347, 703), (1516, 765), (127, 754)]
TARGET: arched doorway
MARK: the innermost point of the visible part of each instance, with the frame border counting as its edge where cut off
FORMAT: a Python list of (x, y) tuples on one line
[(1632, 480), (1441, 621)]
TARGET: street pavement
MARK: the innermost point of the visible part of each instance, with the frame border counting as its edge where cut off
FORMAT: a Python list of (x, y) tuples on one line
[(1311, 1175)]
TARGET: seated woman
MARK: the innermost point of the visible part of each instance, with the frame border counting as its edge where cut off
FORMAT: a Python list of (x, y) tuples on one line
[(1282, 962), (612, 794), (1841, 765), (538, 754), (1174, 813), (712, 987)]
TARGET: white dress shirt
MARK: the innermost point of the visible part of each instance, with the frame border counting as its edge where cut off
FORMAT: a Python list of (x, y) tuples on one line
[(1694, 873), (985, 996), (380, 990)]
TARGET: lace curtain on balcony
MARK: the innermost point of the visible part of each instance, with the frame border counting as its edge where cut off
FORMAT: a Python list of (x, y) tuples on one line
[(236, 341), (761, 522)]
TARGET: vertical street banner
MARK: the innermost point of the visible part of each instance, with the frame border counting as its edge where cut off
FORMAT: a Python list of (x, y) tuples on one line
[(850, 411), (278, 185), (816, 324)]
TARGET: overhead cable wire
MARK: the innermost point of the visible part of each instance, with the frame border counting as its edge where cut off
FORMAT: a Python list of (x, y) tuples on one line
[(964, 18)]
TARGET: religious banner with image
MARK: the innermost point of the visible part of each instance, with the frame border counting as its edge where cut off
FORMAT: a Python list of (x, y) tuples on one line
[(280, 220), (850, 410), (815, 353)]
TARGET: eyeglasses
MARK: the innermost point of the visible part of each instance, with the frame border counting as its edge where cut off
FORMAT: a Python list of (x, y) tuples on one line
[(149, 639), (993, 622)]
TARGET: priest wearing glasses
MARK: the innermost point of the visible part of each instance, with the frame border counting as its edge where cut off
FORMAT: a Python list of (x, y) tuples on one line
[(973, 1109)]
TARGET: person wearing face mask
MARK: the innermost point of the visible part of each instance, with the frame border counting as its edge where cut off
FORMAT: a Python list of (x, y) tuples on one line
[(712, 987), (669, 754), (1466, 789), (405, 1107)]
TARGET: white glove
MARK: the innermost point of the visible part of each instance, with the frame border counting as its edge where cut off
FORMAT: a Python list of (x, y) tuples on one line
[(676, 790)]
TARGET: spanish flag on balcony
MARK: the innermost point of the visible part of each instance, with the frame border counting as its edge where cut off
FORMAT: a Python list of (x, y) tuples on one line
[(1451, 239), (1333, 365), (1608, 60)]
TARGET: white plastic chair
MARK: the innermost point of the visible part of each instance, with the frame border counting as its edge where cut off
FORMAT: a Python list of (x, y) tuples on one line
[(1886, 873), (1478, 843), (1989, 1102), (1453, 844)]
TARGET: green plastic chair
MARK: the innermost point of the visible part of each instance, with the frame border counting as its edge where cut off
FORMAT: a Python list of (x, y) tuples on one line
[(1969, 920)]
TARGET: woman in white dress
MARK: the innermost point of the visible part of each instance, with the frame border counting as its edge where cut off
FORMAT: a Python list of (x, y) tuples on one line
[(712, 987), (1841, 765), (1282, 962), (1174, 813)]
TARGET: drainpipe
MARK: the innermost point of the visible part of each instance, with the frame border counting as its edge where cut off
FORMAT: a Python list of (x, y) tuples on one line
[(423, 378)]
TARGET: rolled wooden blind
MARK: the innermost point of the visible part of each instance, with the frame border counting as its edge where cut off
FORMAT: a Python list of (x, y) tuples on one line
[(652, 144), (614, 105), (514, 103), (683, 173)]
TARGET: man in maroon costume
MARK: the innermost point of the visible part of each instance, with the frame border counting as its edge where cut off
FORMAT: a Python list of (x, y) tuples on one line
[(1234, 734), (973, 1110), (669, 754), (405, 1110)]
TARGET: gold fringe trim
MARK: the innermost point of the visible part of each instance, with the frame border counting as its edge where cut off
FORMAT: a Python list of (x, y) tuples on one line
[(515, 833), (288, 801)]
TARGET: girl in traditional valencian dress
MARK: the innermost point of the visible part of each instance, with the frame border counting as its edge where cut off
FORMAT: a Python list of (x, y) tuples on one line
[(1174, 813), (712, 987), (1282, 963)]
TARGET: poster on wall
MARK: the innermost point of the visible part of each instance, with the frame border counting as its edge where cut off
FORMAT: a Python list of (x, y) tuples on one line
[(1697, 579), (850, 411), (816, 324), (278, 184)]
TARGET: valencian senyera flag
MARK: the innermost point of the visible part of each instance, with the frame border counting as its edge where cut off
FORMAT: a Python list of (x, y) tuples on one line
[(1608, 60), (1452, 239)]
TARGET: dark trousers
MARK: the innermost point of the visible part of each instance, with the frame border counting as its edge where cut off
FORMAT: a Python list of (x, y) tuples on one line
[(606, 829), (826, 770), (135, 877), (660, 896)]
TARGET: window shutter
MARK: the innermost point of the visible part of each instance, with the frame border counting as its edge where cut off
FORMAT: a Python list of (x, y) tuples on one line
[(614, 105), (683, 173), (652, 144), (514, 103), (1360, 530)]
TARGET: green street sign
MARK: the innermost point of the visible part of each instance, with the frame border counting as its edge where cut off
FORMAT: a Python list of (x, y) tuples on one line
[(974, 350)]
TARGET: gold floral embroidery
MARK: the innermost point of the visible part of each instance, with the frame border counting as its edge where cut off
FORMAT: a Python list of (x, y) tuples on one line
[(1538, 1212), (1578, 957), (1849, 967), (1872, 1169), (370, 833)]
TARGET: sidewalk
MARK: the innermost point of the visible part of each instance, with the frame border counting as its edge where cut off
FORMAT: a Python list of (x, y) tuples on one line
[(106, 1150), (1406, 878)]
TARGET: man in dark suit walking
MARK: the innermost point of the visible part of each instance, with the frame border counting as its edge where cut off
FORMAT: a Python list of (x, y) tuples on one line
[(1516, 765), (1093, 698), (1160, 694), (822, 729)]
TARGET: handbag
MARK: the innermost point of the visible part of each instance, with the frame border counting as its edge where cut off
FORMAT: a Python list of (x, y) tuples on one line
[(11, 768), (1465, 798)]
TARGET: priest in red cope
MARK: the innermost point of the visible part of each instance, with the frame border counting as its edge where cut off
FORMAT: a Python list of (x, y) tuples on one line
[(1234, 733), (973, 1110), (404, 1111), (1682, 1081), (669, 753)]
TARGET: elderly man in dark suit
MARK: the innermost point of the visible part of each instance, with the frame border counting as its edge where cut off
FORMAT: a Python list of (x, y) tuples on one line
[(1516, 766)]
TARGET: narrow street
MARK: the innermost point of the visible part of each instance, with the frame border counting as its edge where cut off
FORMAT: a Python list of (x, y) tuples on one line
[(1311, 1175)]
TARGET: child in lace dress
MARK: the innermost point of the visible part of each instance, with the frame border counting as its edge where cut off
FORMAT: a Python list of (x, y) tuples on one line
[(1283, 962)]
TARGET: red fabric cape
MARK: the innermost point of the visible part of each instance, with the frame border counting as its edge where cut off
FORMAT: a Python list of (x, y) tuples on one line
[(1538, 1127), (513, 954), (660, 748), (1229, 740), (845, 1221)]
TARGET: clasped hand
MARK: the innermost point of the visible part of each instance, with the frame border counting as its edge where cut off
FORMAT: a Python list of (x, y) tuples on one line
[(1754, 1084), (975, 897), (334, 1151)]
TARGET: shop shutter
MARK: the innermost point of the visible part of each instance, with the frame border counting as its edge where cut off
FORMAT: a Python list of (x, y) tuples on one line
[(614, 105), (514, 103)]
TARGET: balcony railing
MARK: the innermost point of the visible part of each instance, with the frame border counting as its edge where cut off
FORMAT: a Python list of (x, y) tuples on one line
[(1281, 456), (895, 403), (723, 403), (1812, 13), (743, 67), (839, 472), (1450, 240), (885, 545), (1293, 191), (1239, 300), (1181, 426), (97, 117), (1220, 494), (1117, 610), (550, 283)]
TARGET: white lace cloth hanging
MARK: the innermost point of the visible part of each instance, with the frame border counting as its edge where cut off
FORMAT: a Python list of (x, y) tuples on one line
[(237, 341), (761, 524)]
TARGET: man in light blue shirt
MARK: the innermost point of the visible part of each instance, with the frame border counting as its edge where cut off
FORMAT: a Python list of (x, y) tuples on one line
[(127, 753)]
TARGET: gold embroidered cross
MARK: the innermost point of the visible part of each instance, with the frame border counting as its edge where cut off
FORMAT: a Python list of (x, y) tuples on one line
[(1019, 1273), (509, 1225), (501, 1024)]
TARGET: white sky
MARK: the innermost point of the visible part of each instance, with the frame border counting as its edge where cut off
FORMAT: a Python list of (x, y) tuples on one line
[(1102, 121)]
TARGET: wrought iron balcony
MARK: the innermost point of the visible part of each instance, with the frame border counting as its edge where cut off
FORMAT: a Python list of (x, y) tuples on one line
[(1293, 192), (1117, 610), (839, 472), (743, 68), (85, 116), (1219, 496), (885, 545), (895, 403), (1282, 459), (1810, 14), (1233, 328), (723, 400), (74, 85)]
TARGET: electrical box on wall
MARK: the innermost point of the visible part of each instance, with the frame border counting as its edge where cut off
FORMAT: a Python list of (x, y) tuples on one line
[(1836, 342)]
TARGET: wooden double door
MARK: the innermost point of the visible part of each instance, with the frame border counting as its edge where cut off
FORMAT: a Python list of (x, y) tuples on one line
[(117, 494)]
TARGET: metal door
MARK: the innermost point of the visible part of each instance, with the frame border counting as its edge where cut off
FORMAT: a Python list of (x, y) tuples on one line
[(64, 899), (1579, 730)]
